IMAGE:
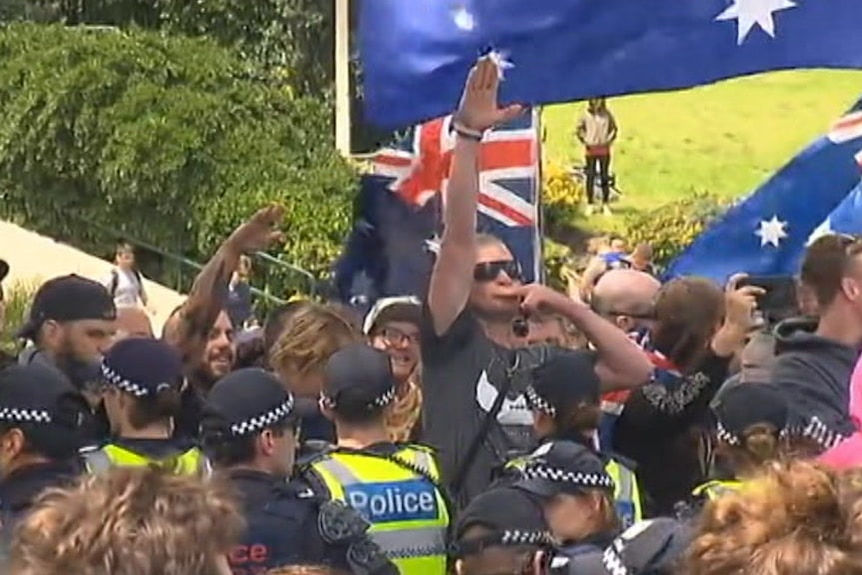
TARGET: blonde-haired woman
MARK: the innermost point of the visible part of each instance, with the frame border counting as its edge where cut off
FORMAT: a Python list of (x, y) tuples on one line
[(310, 336), (141, 521), (793, 518)]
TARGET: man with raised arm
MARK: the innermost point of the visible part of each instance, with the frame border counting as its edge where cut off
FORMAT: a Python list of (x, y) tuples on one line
[(475, 369)]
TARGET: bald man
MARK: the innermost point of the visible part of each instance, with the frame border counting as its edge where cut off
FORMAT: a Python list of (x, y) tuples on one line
[(625, 297), (132, 322)]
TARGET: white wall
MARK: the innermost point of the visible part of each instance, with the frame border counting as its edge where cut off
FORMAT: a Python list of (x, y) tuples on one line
[(35, 258)]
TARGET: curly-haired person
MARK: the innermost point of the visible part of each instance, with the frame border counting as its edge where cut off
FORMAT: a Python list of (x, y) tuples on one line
[(129, 521), (797, 518)]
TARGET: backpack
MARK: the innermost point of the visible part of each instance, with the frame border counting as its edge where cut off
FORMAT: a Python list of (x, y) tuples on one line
[(115, 281)]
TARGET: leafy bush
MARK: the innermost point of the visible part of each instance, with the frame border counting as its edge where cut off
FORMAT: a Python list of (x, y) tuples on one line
[(18, 296), (561, 196), (672, 227), (557, 259), (163, 139)]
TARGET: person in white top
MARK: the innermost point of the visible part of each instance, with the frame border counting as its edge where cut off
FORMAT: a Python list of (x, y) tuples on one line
[(125, 283)]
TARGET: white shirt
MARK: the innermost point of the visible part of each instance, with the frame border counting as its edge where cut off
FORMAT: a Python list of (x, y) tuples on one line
[(129, 290)]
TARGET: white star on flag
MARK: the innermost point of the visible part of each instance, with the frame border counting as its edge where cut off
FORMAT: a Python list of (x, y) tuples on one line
[(464, 19), (501, 59), (771, 232), (747, 13)]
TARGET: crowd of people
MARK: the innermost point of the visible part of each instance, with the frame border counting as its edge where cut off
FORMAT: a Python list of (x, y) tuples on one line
[(487, 427)]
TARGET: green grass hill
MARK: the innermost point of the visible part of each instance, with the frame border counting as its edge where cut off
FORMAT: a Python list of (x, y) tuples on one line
[(725, 138)]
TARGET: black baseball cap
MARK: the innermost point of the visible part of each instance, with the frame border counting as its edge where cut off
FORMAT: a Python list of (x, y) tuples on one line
[(243, 403), (563, 381), (558, 467), (68, 298), (360, 372), (750, 404), (509, 516), (4, 269), (651, 547)]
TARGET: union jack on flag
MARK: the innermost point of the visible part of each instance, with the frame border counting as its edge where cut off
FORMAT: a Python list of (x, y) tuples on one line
[(846, 129), (420, 160)]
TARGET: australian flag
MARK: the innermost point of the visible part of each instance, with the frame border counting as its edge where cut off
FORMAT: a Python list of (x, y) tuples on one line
[(415, 59), (817, 193), (398, 221)]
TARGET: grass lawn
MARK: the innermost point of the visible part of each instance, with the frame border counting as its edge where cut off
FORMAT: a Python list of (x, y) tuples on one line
[(725, 138)]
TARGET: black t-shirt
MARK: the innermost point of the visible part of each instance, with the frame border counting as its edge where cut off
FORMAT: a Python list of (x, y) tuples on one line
[(463, 372)]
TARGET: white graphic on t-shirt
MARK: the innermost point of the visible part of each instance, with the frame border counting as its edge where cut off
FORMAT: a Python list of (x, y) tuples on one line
[(513, 411)]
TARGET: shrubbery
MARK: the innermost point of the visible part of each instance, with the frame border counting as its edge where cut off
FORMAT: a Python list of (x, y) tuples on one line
[(165, 138), (672, 227), (562, 196), (18, 296)]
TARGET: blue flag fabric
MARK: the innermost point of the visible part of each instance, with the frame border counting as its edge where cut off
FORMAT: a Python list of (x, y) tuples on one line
[(845, 219), (415, 60), (767, 233), (387, 252)]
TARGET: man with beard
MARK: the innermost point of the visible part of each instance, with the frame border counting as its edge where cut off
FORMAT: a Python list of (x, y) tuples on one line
[(201, 329), (475, 370), (72, 322)]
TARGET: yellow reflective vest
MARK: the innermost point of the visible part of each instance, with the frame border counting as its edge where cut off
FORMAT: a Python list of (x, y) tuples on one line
[(627, 495), (190, 462), (712, 490), (408, 513)]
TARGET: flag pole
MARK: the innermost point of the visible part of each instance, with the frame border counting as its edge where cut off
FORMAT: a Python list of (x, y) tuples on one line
[(540, 223), (342, 77)]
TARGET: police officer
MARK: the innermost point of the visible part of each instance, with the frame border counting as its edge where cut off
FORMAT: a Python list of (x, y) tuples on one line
[(249, 429), (752, 428), (394, 486), (41, 429), (577, 496), (564, 398), (654, 547), (142, 380), (502, 531)]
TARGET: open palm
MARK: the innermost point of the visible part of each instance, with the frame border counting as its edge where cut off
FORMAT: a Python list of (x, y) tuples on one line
[(479, 108)]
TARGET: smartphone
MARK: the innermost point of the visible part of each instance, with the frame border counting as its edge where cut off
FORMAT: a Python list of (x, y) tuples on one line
[(779, 293)]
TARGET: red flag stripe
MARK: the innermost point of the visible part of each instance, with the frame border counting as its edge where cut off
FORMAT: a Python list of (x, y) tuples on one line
[(517, 217)]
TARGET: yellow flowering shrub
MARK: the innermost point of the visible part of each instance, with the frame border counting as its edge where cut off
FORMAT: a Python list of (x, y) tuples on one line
[(672, 227), (561, 195)]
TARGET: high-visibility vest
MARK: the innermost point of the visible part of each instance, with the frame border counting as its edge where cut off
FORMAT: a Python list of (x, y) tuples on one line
[(190, 462), (408, 513), (627, 496), (712, 490), (627, 493)]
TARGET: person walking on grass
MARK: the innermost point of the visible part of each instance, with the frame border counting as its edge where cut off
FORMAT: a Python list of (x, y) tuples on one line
[(597, 131)]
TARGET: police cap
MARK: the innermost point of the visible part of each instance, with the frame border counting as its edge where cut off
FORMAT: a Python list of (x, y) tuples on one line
[(564, 381), (508, 517), (36, 398), (245, 402), (142, 367), (747, 405), (363, 373), (563, 467)]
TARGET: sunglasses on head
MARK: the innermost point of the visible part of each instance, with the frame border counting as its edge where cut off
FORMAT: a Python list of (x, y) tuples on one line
[(488, 271)]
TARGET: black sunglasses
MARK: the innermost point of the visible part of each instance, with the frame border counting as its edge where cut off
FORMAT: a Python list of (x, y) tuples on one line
[(488, 271)]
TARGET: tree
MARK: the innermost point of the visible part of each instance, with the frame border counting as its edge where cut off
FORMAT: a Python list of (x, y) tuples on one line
[(165, 138)]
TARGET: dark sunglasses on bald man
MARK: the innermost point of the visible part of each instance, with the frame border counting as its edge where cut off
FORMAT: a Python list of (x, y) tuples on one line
[(488, 271)]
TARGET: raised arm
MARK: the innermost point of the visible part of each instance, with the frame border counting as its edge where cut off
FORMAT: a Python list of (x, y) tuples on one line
[(209, 291), (452, 276)]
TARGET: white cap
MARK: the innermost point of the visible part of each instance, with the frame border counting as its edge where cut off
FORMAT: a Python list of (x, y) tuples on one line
[(387, 303)]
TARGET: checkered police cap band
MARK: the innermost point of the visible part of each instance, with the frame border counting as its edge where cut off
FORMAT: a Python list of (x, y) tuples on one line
[(613, 562), (557, 475), (818, 432), (113, 378), (537, 402), (264, 420), (382, 400), (19, 415), (730, 438), (516, 537)]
